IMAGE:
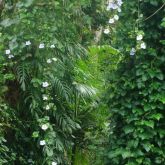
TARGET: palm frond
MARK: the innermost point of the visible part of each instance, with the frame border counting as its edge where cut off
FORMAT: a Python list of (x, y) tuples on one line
[(85, 90), (61, 89)]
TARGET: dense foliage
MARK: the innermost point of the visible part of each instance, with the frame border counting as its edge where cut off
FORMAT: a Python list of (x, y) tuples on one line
[(48, 108), (136, 91), (82, 82)]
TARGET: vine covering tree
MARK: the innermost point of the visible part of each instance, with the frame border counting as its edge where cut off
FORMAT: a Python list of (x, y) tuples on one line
[(136, 91)]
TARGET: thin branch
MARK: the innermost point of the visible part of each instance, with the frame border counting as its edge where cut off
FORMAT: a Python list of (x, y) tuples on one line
[(154, 13), (44, 4)]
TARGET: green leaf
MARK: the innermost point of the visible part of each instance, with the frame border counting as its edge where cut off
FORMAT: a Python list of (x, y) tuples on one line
[(148, 123), (28, 3), (49, 151), (139, 72), (126, 154), (144, 77), (156, 116), (147, 146), (162, 99), (128, 129), (35, 134), (147, 107), (160, 76)]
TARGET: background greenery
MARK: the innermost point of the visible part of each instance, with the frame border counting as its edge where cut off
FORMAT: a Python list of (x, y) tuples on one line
[(103, 106)]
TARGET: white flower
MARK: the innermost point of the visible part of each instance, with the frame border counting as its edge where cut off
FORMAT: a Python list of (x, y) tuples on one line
[(106, 31), (45, 84), (54, 59), (143, 45), (28, 43), (52, 46), (8, 51), (45, 97), (44, 127), (114, 6), (141, 16), (139, 37), (11, 56), (54, 163), (119, 2), (119, 9), (41, 46), (108, 8), (111, 20), (49, 61), (133, 51), (111, 6), (116, 17), (42, 142), (47, 107)]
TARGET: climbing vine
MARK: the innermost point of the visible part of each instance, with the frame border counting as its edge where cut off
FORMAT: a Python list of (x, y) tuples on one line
[(136, 89)]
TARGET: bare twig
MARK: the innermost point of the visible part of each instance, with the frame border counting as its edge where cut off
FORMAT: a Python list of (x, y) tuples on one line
[(154, 13)]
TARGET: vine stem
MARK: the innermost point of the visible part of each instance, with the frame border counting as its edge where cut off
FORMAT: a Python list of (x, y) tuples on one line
[(154, 13), (138, 13)]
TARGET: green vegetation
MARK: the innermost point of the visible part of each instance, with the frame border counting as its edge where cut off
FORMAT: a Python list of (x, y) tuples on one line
[(82, 82), (137, 91)]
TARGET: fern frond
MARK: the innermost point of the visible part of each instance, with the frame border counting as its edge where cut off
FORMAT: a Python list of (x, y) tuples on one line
[(85, 90)]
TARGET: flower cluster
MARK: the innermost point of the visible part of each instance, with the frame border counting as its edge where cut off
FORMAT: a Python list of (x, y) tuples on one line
[(42, 45), (140, 44), (28, 43), (115, 18), (116, 6), (49, 61), (139, 39), (43, 122), (45, 127), (133, 51), (8, 53)]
